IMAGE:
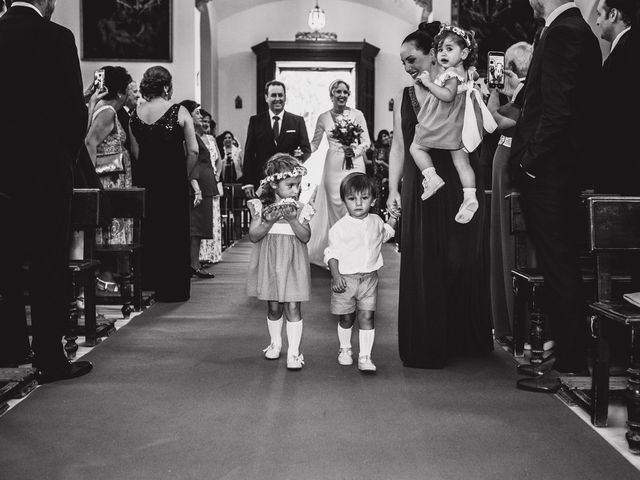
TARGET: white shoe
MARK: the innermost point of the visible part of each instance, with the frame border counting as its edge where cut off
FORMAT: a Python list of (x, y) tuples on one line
[(295, 362), (431, 185), (345, 357), (272, 352), (365, 364)]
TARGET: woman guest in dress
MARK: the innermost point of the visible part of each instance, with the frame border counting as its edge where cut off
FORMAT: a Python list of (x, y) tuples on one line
[(380, 164), (501, 241), (443, 298), (202, 213), (329, 205), (232, 157), (164, 144), (211, 248), (105, 142)]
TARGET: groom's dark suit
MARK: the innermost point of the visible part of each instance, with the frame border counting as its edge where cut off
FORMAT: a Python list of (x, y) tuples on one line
[(43, 122), (551, 143), (261, 143)]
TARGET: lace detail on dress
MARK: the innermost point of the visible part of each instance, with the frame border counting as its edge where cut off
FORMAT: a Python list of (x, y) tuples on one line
[(167, 122), (255, 207), (446, 75), (306, 213), (414, 100)]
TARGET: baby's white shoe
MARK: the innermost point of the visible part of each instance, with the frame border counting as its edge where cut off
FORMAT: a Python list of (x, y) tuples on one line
[(345, 357), (431, 185)]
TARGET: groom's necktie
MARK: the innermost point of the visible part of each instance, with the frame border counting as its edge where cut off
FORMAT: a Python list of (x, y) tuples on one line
[(276, 126)]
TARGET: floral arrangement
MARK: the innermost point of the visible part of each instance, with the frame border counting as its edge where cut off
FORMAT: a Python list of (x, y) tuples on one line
[(347, 133)]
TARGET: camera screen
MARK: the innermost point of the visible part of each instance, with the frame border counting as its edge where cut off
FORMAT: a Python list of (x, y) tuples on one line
[(495, 69)]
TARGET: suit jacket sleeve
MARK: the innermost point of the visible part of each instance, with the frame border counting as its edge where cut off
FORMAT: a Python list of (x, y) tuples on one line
[(304, 140), (249, 171), (70, 96), (560, 67)]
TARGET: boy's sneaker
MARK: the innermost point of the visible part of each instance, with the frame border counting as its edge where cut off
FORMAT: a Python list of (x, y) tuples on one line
[(345, 357), (431, 185), (272, 352), (295, 362), (365, 364)]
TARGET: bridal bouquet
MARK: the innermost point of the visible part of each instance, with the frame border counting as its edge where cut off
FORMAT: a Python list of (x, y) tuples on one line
[(347, 133)]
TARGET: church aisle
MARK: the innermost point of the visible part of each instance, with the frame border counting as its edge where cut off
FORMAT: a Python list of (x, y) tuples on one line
[(183, 392)]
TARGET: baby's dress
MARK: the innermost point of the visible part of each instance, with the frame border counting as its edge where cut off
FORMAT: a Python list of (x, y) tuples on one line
[(440, 123), (279, 267)]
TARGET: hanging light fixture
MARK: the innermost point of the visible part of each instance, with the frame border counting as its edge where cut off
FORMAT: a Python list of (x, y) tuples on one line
[(317, 18)]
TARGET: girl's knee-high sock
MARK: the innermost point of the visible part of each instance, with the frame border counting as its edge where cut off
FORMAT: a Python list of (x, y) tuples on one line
[(294, 336), (275, 331)]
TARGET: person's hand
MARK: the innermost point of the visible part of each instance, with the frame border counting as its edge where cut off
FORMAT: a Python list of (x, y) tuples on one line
[(249, 191), (349, 151), (289, 211), (394, 203), (338, 284), (197, 200), (297, 152), (511, 82), (271, 214), (424, 78)]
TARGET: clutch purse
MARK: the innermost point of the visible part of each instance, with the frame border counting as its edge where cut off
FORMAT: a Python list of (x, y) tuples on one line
[(113, 163)]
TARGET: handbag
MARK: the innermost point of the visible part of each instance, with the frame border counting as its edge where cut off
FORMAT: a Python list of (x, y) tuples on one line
[(112, 163)]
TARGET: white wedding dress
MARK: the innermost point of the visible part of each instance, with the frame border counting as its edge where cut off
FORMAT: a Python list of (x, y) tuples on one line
[(329, 206)]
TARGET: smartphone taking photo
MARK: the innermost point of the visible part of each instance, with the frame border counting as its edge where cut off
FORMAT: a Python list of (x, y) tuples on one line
[(98, 80), (495, 69)]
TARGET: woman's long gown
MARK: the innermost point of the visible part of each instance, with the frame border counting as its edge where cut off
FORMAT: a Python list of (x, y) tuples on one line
[(444, 307), (328, 204), (165, 229)]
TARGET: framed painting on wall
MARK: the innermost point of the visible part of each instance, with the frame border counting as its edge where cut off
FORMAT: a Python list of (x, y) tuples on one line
[(126, 30)]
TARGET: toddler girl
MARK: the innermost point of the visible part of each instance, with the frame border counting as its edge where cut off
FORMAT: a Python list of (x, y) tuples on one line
[(279, 269), (442, 122)]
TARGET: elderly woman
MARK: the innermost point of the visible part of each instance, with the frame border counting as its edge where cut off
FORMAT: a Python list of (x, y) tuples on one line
[(443, 305), (164, 144), (105, 143), (340, 161), (202, 215)]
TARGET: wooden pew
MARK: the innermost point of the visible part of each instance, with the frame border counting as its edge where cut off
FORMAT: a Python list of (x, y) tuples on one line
[(614, 230), (125, 203)]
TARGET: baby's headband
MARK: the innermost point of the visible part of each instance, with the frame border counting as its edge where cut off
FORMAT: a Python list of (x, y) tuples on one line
[(458, 31)]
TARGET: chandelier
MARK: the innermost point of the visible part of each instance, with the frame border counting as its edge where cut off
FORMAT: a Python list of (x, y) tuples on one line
[(317, 18)]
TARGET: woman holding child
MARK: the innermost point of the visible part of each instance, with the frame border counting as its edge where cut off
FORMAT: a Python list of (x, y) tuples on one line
[(443, 298)]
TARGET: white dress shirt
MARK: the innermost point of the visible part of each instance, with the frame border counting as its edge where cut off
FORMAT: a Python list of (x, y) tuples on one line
[(617, 39), (562, 8), (28, 5), (357, 243)]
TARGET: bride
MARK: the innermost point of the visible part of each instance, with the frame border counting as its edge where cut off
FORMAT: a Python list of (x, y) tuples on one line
[(329, 206)]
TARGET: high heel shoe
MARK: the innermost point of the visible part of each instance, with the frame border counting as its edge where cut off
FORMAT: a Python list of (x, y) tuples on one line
[(200, 273)]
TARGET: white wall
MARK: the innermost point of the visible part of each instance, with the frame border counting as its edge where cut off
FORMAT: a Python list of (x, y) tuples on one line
[(280, 20), (186, 54)]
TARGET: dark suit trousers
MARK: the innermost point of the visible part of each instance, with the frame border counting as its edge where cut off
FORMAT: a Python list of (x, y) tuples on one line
[(552, 215), (36, 229)]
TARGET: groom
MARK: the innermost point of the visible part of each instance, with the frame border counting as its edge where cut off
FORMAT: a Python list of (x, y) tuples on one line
[(271, 132)]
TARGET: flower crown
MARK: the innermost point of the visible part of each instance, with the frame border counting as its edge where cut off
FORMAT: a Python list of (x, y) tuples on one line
[(458, 31), (277, 177)]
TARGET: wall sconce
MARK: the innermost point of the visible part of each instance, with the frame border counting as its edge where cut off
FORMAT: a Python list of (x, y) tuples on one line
[(391, 105), (238, 102)]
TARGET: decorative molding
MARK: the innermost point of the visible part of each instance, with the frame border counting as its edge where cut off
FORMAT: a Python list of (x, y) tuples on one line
[(316, 37)]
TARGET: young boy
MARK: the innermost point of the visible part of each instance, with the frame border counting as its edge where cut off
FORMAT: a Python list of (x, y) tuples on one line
[(354, 257)]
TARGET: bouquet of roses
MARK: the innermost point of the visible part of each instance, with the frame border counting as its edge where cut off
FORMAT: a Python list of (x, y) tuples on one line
[(347, 133)]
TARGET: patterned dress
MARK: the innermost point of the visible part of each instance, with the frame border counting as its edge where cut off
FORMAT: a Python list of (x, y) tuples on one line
[(211, 249)]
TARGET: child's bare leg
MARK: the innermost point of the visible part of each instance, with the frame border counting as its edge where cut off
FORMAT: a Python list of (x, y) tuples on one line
[(345, 325), (469, 204), (274, 325), (432, 181), (292, 311), (367, 335)]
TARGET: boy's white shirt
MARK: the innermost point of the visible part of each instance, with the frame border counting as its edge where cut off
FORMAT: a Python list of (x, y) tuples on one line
[(357, 243)]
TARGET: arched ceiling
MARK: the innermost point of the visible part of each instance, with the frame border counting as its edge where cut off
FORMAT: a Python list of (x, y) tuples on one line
[(404, 9)]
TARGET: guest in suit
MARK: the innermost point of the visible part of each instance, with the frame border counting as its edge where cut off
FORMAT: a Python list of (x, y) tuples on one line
[(614, 144), (548, 150), (40, 90), (267, 136)]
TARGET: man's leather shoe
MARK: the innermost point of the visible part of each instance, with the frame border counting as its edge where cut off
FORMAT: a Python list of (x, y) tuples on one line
[(67, 371), (536, 370), (541, 384), (200, 273)]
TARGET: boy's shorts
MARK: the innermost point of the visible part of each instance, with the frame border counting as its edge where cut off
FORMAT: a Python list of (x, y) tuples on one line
[(361, 293)]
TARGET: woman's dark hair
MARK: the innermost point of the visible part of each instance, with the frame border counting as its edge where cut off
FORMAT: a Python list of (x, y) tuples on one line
[(154, 81), (116, 79), (190, 105), (473, 49), (422, 38), (220, 139), (378, 142), (357, 182)]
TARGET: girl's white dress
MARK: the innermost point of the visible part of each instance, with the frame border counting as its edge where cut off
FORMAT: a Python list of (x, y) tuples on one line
[(279, 267), (328, 205)]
